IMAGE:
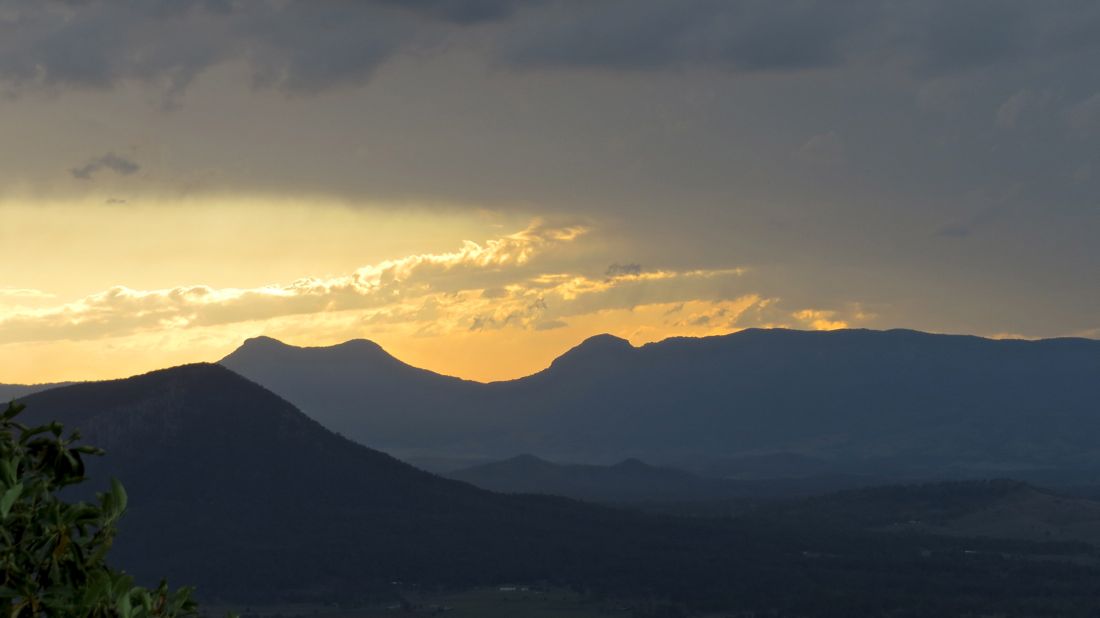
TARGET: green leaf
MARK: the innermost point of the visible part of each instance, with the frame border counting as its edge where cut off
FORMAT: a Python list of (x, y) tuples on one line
[(9, 498), (7, 469), (31, 432), (89, 450), (119, 495), (125, 610), (13, 409)]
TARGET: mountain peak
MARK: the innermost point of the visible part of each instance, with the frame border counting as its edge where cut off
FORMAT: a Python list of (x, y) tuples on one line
[(605, 341), (352, 351), (596, 349), (361, 345), (165, 404), (263, 342)]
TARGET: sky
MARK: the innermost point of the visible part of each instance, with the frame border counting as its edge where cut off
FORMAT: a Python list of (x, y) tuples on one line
[(478, 185)]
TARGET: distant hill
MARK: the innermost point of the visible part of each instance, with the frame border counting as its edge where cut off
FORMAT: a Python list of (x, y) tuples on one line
[(632, 481), (9, 392), (233, 489), (357, 389), (754, 404)]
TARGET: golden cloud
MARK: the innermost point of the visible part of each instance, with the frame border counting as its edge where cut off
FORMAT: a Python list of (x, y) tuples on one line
[(819, 319), (497, 309), (121, 310), (481, 286)]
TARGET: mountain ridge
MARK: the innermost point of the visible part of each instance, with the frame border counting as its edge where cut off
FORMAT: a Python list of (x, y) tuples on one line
[(604, 342), (912, 403)]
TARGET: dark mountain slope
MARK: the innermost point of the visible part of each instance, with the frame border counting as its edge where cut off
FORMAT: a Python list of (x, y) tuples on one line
[(234, 489), (896, 402)]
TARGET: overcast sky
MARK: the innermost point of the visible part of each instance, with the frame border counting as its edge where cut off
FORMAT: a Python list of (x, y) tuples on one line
[(480, 184)]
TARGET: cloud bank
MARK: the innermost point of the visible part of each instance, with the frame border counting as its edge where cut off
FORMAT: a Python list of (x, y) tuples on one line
[(303, 46), (494, 285)]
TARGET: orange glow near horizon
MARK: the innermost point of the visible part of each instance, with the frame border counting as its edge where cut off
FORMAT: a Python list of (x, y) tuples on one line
[(479, 356), (476, 295)]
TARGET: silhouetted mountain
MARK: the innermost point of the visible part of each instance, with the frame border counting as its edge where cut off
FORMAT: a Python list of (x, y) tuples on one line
[(233, 489), (595, 355), (633, 481), (10, 392), (895, 402), (357, 389)]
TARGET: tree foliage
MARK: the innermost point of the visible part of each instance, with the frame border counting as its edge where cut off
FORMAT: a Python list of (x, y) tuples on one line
[(53, 553)]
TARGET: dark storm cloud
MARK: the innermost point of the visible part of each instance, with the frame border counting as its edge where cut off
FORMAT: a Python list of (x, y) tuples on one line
[(976, 33), (299, 46), (312, 46), (309, 46), (95, 44), (462, 11), (294, 46), (933, 37), (750, 35), (109, 161)]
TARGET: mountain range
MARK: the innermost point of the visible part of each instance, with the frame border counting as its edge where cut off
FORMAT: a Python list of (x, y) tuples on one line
[(753, 404), (236, 491)]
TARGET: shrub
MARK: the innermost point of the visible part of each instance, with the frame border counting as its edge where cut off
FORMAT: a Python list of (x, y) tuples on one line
[(53, 553)]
